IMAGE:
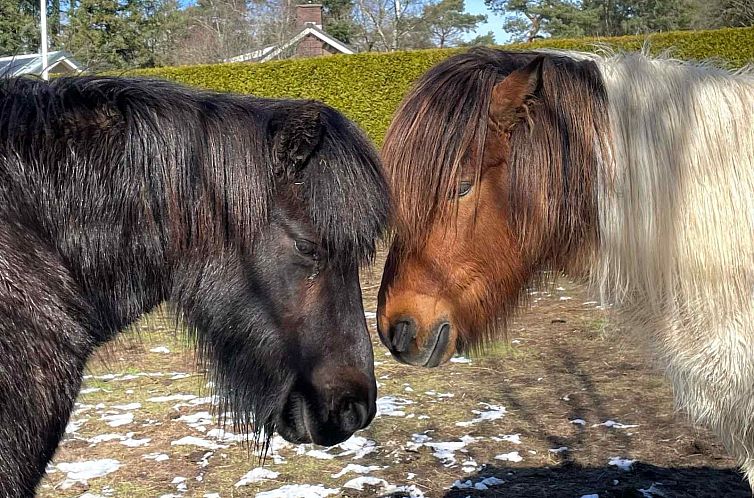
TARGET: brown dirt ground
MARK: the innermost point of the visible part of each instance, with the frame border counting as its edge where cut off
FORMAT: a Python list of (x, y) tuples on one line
[(565, 362)]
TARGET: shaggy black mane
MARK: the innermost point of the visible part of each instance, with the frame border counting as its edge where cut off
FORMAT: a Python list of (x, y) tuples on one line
[(199, 163)]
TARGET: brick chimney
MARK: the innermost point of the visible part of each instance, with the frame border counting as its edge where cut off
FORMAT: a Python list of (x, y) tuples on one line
[(310, 13)]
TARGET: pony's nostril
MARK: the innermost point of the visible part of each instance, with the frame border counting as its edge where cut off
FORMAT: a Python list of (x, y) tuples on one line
[(354, 415), (402, 334)]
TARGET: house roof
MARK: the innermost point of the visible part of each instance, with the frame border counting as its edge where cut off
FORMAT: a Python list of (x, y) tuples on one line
[(310, 29), (17, 65), (272, 51)]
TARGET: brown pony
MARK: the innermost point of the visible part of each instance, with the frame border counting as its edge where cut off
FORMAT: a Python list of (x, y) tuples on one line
[(635, 172)]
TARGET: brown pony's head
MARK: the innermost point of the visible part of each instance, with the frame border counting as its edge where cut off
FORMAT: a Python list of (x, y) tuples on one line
[(492, 160)]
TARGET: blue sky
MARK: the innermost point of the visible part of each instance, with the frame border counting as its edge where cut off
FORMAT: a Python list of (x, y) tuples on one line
[(494, 21)]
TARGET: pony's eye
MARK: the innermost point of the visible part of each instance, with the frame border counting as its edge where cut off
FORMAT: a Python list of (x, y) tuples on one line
[(306, 248), (464, 188)]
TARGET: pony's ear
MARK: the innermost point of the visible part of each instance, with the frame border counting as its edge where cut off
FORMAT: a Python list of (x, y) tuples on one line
[(510, 96), (297, 133)]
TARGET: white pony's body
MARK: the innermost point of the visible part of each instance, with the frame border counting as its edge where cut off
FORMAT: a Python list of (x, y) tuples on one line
[(676, 254)]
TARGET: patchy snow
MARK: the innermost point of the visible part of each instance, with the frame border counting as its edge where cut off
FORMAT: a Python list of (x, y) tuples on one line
[(160, 349), (118, 419), (390, 406), (493, 412), (197, 441), (595, 495), (181, 484), (445, 451), (357, 446), (357, 469), (460, 359), (90, 390), (469, 466), (128, 407), (417, 441), (179, 376), (157, 457), (135, 443), (557, 451), (74, 425), (578, 421), (621, 463), (439, 395), (211, 495), (565, 298), (101, 438), (172, 397), (509, 438), (615, 425), (320, 454), (81, 472), (370, 315), (652, 492), (212, 400), (358, 483), (492, 481), (197, 420), (513, 456), (479, 485), (224, 435), (258, 474), (299, 491)]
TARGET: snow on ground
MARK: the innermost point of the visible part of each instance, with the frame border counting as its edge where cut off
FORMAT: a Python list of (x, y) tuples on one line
[(357, 469), (118, 419), (513, 456), (615, 425), (299, 491), (391, 406), (621, 463), (197, 441), (81, 472), (256, 475), (493, 412)]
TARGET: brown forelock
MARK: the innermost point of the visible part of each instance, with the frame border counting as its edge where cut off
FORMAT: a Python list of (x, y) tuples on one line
[(555, 151), (555, 156)]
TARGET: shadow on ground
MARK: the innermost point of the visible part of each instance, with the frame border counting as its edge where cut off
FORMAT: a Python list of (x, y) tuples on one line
[(574, 481)]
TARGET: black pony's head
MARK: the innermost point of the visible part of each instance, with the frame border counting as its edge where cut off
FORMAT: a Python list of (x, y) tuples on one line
[(251, 216), (280, 314)]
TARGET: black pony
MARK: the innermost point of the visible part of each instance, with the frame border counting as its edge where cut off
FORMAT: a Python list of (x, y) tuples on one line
[(250, 216)]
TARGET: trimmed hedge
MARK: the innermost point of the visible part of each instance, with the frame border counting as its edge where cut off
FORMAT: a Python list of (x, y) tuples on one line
[(368, 87)]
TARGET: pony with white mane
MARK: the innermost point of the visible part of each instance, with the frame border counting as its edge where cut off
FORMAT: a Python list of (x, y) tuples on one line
[(635, 173)]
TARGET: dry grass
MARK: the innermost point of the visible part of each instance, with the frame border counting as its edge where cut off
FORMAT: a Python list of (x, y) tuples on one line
[(565, 363)]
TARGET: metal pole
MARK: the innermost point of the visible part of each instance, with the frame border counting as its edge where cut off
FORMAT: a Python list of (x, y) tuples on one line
[(43, 28)]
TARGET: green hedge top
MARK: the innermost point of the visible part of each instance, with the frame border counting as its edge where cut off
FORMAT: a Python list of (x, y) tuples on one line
[(368, 87)]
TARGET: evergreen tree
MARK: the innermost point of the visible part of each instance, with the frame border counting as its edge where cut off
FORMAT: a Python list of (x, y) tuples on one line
[(338, 19), (447, 20)]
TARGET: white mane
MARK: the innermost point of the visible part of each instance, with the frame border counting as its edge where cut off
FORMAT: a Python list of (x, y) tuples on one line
[(676, 210)]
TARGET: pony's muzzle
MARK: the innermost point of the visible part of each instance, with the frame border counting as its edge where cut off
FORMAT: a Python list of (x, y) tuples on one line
[(330, 407), (408, 345)]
